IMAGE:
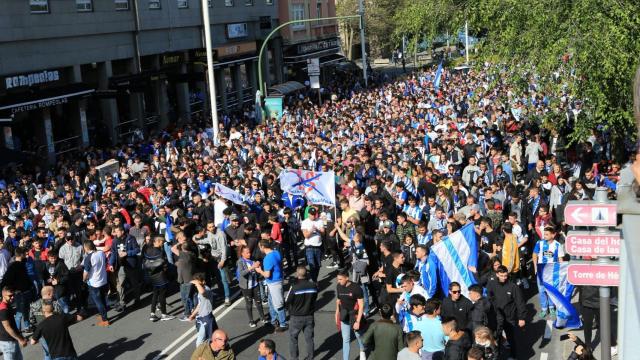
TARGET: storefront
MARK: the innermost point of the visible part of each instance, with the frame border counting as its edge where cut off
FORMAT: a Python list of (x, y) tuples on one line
[(44, 112), (235, 75), (296, 56)]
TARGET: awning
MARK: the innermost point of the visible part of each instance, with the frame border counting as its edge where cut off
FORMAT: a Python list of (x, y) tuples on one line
[(315, 54), (285, 88), (42, 98)]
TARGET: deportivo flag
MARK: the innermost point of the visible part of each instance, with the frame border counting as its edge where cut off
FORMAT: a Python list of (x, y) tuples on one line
[(454, 255), (317, 187), (553, 277), (436, 83), (229, 194)]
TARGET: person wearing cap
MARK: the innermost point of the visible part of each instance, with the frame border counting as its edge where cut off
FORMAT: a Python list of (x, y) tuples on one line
[(313, 229)]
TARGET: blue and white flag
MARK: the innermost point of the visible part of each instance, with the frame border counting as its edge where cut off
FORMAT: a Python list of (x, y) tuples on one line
[(168, 235), (553, 277), (436, 83), (317, 187), (229, 194), (455, 254)]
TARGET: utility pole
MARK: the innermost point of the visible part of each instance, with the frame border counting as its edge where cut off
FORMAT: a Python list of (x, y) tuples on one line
[(466, 40), (210, 78), (363, 44)]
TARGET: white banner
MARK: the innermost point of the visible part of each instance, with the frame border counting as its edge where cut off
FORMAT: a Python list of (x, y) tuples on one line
[(228, 194), (317, 187)]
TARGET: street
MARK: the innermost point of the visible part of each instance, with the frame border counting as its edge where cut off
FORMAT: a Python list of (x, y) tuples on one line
[(133, 336)]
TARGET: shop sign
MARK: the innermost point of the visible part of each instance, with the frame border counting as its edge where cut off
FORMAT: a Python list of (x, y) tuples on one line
[(173, 58), (317, 46), (40, 105), (38, 78), (199, 56), (236, 49)]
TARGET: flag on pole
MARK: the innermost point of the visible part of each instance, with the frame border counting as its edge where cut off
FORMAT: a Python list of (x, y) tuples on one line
[(229, 194), (436, 83), (553, 277), (168, 235), (317, 187), (454, 255)]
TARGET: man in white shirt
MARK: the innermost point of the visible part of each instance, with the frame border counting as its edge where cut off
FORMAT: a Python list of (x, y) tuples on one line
[(95, 275), (312, 230)]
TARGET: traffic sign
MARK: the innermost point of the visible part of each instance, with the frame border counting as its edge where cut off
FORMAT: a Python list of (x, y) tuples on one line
[(587, 243), (590, 213), (593, 274)]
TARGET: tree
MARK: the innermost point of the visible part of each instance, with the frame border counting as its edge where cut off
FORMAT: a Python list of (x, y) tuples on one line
[(594, 42), (348, 28)]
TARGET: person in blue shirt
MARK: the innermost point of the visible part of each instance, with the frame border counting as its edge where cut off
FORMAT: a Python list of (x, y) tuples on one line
[(267, 350), (272, 272)]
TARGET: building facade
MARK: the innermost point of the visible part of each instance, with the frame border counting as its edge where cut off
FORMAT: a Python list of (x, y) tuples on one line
[(80, 72), (303, 41)]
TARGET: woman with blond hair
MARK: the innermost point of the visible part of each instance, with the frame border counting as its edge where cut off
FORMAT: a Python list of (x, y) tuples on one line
[(484, 340)]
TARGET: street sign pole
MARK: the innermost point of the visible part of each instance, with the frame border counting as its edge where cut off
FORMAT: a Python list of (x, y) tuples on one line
[(605, 292)]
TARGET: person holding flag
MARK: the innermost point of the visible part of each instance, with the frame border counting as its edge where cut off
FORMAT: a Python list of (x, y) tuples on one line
[(547, 251)]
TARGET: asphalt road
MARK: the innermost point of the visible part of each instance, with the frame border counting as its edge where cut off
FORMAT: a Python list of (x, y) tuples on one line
[(133, 337)]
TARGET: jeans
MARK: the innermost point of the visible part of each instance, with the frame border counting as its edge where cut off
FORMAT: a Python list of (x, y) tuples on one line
[(253, 296), (276, 304), (365, 294), (304, 324), (314, 260), (345, 330), (544, 298), (222, 277), (204, 328), (167, 251), (64, 304), (10, 350), (22, 300), (187, 302), (65, 358), (45, 348), (99, 298)]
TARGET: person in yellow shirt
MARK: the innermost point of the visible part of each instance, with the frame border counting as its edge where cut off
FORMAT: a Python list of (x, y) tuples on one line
[(510, 254)]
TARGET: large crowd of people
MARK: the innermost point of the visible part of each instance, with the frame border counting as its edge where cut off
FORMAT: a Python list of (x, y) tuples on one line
[(413, 163)]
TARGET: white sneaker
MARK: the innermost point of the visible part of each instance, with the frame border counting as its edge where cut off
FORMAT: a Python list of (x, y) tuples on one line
[(166, 317), (363, 355), (614, 350)]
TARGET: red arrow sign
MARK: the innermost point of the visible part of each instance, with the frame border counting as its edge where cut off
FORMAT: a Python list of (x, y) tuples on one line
[(584, 243), (595, 275), (590, 213)]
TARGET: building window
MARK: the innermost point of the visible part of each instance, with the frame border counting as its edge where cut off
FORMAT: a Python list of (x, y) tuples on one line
[(228, 2), (155, 5), (297, 13), (268, 2), (39, 6), (318, 9), (122, 5), (248, 2), (84, 5), (265, 22), (210, 4), (183, 4)]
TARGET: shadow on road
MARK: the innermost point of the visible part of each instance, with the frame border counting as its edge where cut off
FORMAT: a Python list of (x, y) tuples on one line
[(115, 349)]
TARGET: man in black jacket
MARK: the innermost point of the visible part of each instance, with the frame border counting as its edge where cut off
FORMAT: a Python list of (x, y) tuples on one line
[(482, 313), (301, 301), (456, 305), (509, 305)]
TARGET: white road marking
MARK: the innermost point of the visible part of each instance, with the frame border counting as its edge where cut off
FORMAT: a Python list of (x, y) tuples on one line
[(548, 329), (193, 338), (188, 332), (544, 356)]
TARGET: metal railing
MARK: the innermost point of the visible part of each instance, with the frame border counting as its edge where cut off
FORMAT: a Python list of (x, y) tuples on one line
[(126, 128)]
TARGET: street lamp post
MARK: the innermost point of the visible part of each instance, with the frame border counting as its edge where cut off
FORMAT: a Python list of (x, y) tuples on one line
[(266, 40), (210, 78)]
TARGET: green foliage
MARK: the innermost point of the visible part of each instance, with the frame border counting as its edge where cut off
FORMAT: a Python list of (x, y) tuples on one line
[(594, 45), (598, 39)]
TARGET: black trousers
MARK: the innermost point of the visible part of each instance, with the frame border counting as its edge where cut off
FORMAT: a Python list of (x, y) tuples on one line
[(510, 331), (296, 325), (253, 296), (159, 298)]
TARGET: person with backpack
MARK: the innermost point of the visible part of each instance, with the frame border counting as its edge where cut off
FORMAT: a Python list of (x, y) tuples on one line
[(154, 264)]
